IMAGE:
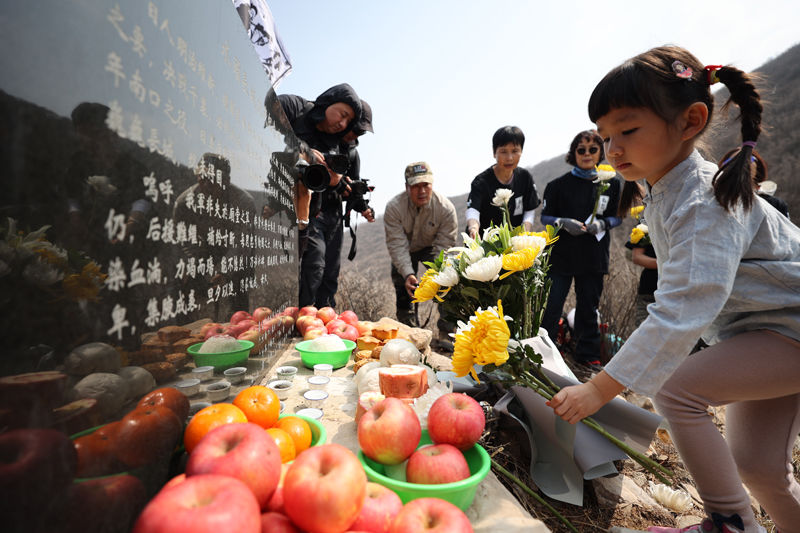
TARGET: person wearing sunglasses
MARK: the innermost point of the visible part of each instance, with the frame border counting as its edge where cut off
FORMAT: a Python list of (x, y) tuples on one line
[(585, 212)]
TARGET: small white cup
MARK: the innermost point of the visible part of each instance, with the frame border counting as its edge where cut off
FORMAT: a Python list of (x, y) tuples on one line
[(318, 382), (189, 387), (218, 391), (235, 374), (286, 372), (310, 412), (281, 388), (203, 373), (315, 398), (323, 369)]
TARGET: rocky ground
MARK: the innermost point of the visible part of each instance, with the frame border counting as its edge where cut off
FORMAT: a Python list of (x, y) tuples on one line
[(623, 500)]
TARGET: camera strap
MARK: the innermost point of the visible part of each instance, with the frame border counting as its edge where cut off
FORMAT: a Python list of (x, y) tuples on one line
[(352, 253)]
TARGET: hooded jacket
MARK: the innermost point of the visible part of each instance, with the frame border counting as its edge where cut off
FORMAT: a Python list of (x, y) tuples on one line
[(304, 115)]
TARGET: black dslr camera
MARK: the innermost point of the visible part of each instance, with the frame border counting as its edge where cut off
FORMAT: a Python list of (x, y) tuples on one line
[(315, 175), (356, 201)]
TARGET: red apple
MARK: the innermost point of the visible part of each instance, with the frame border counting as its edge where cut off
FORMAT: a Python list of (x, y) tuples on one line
[(180, 478), (431, 515), (213, 328), (349, 316), (307, 310), (456, 419), (305, 321), (147, 435), (363, 328), (335, 325), (287, 324), (435, 464), (350, 333), (389, 432), (260, 313), (36, 469), (244, 451), (238, 316), (276, 502), (206, 503), (314, 332), (291, 311), (326, 314), (273, 522), (324, 489), (237, 329), (108, 504), (381, 505), (253, 335), (169, 397)]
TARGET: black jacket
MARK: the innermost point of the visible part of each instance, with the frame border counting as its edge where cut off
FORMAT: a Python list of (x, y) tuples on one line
[(572, 197)]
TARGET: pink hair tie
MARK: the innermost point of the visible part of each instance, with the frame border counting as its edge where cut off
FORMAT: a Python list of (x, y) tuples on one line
[(751, 144)]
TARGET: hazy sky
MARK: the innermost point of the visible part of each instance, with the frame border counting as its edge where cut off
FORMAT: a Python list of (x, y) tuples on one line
[(442, 76)]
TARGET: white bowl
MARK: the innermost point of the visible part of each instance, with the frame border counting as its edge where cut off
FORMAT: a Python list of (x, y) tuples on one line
[(286, 372), (189, 387), (318, 382), (235, 374), (310, 412), (315, 398), (323, 369), (281, 388), (203, 373), (218, 391)]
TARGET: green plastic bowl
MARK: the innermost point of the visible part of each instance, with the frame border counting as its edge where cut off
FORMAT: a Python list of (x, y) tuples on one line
[(336, 359), (461, 493), (220, 360), (318, 434)]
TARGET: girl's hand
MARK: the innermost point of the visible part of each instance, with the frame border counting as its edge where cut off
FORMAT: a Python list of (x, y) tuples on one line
[(576, 402)]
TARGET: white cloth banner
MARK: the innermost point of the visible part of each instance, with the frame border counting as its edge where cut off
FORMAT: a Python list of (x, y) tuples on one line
[(266, 41)]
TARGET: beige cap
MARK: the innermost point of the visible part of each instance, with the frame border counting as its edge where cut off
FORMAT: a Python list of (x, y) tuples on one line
[(418, 172)]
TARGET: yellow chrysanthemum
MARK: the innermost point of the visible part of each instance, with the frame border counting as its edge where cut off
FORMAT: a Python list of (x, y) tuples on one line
[(483, 341), (636, 235), (636, 211), (87, 284), (427, 288), (517, 261)]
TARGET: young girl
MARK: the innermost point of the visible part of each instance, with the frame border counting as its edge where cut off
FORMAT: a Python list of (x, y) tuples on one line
[(729, 271)]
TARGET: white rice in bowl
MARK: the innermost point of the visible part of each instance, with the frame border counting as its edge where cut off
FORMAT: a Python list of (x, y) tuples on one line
[(326, 343), (220, 344)]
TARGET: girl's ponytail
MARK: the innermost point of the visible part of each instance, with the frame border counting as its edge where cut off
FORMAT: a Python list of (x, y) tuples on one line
[(733, 182)]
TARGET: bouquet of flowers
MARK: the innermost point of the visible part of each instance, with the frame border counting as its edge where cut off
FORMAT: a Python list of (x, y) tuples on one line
[(495, 288), (639, 234), (605, 173)]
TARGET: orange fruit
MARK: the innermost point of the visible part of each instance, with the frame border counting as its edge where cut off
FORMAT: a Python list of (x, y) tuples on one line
[(259, 404), (298, 429), (284, 442), (207, 419)]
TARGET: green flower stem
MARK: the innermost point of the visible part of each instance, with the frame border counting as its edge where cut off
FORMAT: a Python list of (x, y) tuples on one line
[(650, 465), (533, 495)]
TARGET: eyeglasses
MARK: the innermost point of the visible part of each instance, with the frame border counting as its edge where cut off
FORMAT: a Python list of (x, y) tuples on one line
[(592, 150)]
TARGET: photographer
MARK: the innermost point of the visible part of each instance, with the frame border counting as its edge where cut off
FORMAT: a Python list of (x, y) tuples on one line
[(321, 125)]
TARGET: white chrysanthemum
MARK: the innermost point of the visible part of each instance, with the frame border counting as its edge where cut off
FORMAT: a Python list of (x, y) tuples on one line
[(471, 254), (41, 274), (502, 197), (643, 228), (676, 500), (491, 233), (486, 269), (447, 277), (520, 242), (605, 172)]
